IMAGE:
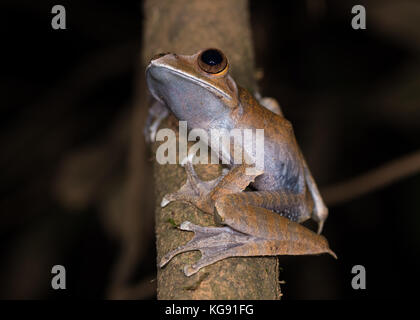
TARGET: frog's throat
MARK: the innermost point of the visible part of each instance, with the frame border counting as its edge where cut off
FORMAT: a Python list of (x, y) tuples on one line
[(193, 79)]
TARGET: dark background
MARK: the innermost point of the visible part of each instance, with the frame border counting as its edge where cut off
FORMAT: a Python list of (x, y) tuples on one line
[(352, 95)]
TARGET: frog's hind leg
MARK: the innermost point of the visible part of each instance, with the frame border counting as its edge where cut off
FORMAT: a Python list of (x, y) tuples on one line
[(295, 206), (251, 213), (251, 231)]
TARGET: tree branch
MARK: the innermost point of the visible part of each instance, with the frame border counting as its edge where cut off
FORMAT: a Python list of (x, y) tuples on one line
[(184, 27)]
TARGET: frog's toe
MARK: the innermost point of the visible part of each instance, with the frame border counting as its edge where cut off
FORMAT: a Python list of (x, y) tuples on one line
[(209, 256), (320, 226), (175, 196), (186, 193), (165, 201), (168, 257), (189, 270), (320, 214)]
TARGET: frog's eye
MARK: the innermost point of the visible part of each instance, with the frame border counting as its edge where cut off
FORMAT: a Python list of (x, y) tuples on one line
[(212, 61)]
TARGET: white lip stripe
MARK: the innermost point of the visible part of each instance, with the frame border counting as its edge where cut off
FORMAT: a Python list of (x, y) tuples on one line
[(189, 77)]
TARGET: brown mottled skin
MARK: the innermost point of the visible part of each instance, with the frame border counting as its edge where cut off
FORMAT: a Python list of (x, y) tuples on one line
[(261, 222)]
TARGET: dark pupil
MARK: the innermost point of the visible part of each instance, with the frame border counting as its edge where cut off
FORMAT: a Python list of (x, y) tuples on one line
[(211, 57)]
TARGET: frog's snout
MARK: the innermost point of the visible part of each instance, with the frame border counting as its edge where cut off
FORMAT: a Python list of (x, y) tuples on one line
[(159, 55)]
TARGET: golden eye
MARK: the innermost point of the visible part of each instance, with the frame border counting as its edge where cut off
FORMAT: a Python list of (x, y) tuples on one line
[(212, 61)]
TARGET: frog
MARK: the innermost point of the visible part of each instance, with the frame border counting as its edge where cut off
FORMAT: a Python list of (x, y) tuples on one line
[(257, 212)]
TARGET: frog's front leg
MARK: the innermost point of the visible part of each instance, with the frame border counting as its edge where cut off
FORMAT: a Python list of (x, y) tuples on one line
[(157, 113), (253, 229), (203, 194), (269, 103)]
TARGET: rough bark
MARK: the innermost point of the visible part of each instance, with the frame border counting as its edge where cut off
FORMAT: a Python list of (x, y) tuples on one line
[(184, 27)]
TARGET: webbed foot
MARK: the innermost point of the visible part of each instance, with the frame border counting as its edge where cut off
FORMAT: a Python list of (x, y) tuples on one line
[(214, 243)]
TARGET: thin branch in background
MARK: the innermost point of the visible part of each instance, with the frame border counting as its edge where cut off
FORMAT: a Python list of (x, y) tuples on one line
[(380, 177)]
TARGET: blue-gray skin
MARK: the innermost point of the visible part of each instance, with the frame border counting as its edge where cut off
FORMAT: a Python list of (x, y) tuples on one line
[(199, 90)]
